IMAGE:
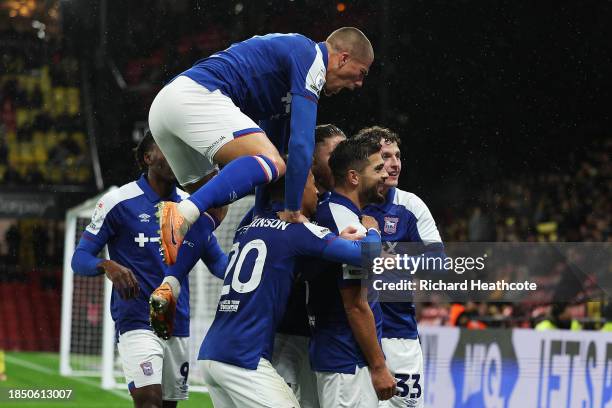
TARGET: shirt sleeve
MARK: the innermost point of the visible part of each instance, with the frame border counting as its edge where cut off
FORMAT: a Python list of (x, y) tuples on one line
[(85, 260), (103, 223), (96, 235), (318, 241), (215, 259), (421, 224), (301, 149), (307, 70)]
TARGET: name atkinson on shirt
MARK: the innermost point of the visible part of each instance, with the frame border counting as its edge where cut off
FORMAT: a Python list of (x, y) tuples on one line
[(269, 223)]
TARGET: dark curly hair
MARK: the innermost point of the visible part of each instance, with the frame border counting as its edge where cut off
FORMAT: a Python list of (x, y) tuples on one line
[(145, 145), (378, 133)]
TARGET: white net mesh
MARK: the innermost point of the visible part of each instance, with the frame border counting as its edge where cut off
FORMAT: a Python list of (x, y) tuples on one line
[(87, 315)]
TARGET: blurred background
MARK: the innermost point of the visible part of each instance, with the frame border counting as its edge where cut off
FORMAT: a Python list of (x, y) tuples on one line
[(503, 108)]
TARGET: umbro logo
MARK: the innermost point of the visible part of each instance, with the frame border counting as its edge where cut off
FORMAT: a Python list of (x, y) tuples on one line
[(144, 217)]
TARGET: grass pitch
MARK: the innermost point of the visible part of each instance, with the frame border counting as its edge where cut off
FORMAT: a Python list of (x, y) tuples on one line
[(41, 371)]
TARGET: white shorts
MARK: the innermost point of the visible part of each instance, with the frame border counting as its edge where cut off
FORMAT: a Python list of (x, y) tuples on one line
[(149, 360), (405, 361), (236, 387), (291, 361), (190, 124), (347, 390)]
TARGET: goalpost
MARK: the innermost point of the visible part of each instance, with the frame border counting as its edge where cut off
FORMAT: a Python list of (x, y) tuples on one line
[(87, 339)]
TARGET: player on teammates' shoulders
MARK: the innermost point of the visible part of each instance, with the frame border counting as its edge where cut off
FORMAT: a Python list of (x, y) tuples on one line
[(209, 115)]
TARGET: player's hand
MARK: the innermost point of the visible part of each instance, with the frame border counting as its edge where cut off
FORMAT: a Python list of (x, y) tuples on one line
[(292, 216), (369, 222), (351, 233), (123, 279), (383, 382)]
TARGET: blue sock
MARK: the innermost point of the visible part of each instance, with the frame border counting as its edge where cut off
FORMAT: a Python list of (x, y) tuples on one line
[(192, 247), (234, 181)]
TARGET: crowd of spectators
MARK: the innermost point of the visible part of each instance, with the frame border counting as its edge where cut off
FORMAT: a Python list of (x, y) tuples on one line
[(565, 206), (31, 250), (569, 206), (42, 131)]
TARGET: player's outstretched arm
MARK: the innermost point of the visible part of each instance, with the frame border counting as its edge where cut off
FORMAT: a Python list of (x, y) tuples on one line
[(321, 242), (350, 247), (361, 320), (350, 252), (301, 149), (214, 258), (86, 263)]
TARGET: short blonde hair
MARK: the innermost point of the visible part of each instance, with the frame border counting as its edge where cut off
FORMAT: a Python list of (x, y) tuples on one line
[(353, 41)]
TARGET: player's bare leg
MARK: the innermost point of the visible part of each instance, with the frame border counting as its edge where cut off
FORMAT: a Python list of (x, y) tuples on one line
[(175, 219), (150, 396), (250, 145), (147, 397)]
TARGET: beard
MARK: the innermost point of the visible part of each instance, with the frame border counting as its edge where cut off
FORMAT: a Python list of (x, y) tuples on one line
[(372, 195)]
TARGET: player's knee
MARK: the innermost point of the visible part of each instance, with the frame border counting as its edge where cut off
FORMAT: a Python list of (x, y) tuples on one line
[(273, 164), (279, 163)]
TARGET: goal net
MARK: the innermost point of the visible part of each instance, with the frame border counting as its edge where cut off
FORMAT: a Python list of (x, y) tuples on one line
[(87, 341)]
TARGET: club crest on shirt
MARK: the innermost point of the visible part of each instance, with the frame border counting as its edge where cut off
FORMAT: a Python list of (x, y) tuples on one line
[(390, 225), (147, 368), (97, 218)]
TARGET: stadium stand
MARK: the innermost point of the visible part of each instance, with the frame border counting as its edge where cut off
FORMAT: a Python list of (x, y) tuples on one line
[(559, 206), (42, 137), (547, 207), (44, 151)]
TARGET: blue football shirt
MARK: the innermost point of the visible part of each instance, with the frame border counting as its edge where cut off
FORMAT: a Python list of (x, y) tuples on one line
[(404, 217), (262, 73), (124, 219), (333, 348), (258, 281)]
